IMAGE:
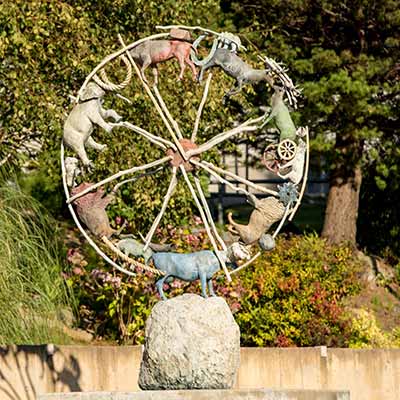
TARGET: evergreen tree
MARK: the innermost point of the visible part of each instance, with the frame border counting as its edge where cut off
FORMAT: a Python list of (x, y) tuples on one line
[(345, 55)]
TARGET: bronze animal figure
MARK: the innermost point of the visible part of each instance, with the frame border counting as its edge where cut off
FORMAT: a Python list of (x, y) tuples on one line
[(91, 210), (84, 116), (235, 67), (266, 212), (152, 52), (281, 116)]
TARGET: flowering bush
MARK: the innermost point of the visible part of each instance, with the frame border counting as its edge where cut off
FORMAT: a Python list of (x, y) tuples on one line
[(290, 296)]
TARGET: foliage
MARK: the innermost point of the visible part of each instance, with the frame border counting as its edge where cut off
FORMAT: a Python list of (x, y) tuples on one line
[(292, 296), (367, 334), (379, 220), (57, 43), (33, 297), (345, 55)]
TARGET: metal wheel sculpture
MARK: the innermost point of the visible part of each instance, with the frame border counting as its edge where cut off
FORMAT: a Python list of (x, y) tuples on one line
[(87, 202)]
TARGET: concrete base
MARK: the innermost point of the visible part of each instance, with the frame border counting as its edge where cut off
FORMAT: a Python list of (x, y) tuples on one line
[(251, 394)]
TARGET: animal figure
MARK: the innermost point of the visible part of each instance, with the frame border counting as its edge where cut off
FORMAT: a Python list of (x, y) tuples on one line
[(266, 212), (281, 115), (152, 52), (91, 210), (198, 265), (72, 170), (80, 122), (134, 248), (295, 174), (235, 67)]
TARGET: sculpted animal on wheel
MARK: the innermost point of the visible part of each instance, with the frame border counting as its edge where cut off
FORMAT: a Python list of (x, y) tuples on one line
[(235, 67), (198, 265), (152, 52), (281, 116), (266, 212), (132, 247), (91, 210), (84, 116)]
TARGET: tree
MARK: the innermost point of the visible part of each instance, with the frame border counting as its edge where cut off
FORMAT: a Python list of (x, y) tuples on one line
[(345, 55), (46, 51)]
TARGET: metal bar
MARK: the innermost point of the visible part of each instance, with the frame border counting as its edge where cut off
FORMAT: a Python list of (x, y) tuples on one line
[(208, 212), (118, 175), (167, 197), (203, 217)]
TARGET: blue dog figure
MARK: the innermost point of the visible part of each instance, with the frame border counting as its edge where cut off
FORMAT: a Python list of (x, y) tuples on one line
[(198, 265)]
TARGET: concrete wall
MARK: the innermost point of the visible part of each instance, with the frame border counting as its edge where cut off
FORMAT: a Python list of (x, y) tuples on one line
[(26, 371)]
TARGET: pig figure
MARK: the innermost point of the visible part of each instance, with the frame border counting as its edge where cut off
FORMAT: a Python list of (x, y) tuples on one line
[(152, 52)]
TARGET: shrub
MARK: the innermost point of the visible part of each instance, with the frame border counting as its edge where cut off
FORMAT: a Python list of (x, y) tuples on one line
[(292, 296), (365, 332)]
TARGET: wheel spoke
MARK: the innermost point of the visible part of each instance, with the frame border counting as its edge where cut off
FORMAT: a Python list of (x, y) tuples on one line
[(219, 177), (204, 219), (240, 179), (170, 191), (118, 175), (208, 212), (200, 110), (245, 127), (167, 113), (159, 141), (154, 100), (118, 185)]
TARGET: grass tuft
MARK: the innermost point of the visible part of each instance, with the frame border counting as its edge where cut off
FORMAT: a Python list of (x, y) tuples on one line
[(33, 296)]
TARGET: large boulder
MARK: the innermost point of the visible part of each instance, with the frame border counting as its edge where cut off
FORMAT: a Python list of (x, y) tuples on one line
[(190, 343)]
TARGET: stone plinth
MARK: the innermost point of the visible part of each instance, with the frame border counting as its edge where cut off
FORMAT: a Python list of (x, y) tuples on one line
[(252, 394), (190, 343)]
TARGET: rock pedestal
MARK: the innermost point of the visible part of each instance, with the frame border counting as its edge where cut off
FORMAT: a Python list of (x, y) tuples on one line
[(190, 343)]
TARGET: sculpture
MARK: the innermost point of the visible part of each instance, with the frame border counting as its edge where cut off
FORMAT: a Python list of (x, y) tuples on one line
[(79, 125), (198, 265), (72, 170), (152, 52), (91, 209), (281, 115), (295, 174), (266, 212), (185, 158), (132, 247), (235, 67)]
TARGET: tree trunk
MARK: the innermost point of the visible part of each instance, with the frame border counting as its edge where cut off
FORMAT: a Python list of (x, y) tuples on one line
[(341, 213)]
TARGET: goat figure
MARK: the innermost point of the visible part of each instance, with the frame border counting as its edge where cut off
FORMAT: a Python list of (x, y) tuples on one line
[(236, 68)]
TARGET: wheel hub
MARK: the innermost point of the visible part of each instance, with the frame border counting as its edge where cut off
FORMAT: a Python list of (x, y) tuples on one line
[(177, 159)]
